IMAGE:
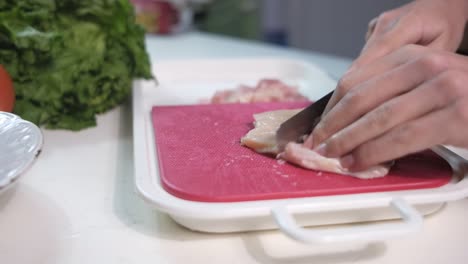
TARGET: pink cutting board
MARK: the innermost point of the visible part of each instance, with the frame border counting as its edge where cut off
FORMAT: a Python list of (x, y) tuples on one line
[(200, 159)]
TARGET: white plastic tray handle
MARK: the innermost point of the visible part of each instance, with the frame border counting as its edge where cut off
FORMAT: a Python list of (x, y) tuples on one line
[(412, 222)]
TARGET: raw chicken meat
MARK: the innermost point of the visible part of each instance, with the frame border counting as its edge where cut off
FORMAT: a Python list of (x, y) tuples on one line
[(267, 90), (263, 140), (298, 154)]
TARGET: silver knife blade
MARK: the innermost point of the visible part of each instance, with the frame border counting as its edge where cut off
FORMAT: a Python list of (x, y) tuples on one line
[(302, 123)]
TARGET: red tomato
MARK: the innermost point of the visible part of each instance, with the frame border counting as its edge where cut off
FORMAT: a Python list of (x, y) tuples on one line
[(7, 94)]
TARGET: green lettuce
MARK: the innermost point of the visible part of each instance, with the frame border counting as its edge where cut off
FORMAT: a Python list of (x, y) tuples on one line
[(70, 59)]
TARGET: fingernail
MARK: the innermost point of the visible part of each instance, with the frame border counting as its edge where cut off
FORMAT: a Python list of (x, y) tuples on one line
[(321, 149), (347, 161)]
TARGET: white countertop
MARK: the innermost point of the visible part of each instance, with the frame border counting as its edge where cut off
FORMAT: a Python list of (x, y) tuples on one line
[(77, 204)]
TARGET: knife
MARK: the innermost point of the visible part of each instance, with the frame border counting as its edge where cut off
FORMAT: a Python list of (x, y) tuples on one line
[(302, 123)]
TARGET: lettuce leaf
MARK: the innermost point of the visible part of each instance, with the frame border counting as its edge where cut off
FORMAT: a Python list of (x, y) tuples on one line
[(70, 59)]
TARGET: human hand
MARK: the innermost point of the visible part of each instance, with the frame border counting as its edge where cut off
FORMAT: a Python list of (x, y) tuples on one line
[(438, 24), (409, 100)]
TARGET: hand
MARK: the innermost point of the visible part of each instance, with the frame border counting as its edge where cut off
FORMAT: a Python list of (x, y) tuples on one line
[(438, 24), (409, 100)]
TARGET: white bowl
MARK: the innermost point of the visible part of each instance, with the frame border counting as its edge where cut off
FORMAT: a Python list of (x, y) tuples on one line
[(20, 144)]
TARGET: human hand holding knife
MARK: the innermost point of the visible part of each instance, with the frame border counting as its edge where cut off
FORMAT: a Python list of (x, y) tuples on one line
[(302, 123)]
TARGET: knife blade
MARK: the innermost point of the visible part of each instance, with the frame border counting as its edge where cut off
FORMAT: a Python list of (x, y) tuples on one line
[(302, 123)]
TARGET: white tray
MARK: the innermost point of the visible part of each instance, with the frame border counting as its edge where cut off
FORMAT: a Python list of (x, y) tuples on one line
[(186, 82)]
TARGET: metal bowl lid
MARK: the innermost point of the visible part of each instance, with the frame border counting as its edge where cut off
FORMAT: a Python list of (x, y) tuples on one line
[(20, 144)]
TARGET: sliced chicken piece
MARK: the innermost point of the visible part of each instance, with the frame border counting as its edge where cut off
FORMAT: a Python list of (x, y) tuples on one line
[(263, 137), (309, 159), (263, 140)]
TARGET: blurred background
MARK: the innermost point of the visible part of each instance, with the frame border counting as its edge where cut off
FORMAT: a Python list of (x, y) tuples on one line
[(331, 26)]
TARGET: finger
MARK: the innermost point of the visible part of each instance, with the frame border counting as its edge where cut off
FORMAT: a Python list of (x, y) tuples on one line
[(374, 92), (426, 98), (443, 43), (397, 34), (375, 68), (370, 28), (382, 23), (407, 138), (458, 124), (384, 20)]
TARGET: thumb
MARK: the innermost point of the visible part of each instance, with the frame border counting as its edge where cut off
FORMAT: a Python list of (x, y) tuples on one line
[(399, 33)]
